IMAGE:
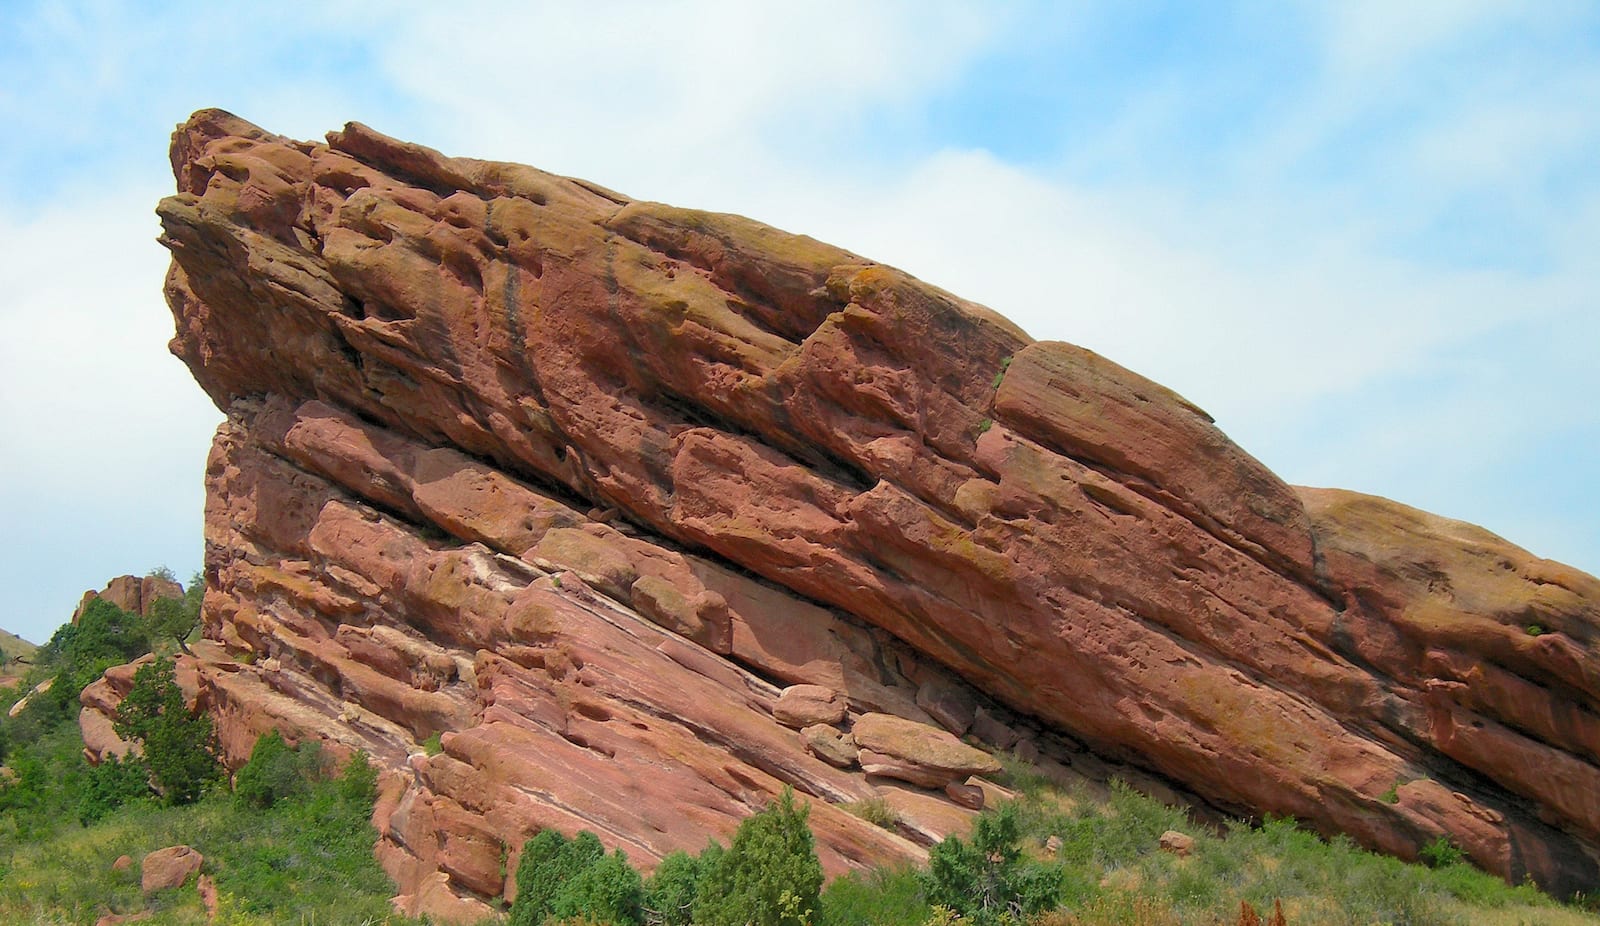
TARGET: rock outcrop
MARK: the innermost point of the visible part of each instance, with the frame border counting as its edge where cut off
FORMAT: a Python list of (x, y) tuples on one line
[(579, 484), (133, 594)]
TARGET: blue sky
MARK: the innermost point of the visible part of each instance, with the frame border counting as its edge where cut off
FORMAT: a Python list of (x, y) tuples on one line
[(1362, 234)]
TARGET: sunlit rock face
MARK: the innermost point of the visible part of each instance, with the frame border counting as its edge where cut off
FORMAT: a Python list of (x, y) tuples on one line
[(544, 496)]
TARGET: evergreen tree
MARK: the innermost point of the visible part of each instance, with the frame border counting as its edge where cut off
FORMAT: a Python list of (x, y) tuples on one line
[(178, 744), (768, 876), (987, 880)]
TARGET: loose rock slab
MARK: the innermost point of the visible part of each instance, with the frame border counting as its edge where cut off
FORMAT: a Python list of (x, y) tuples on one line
[(807, 705), (898, 748)]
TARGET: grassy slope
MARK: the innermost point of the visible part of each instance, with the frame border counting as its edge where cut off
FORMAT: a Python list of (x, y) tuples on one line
[(13, 648), (306, 859), (268, 868), (1113, 872)]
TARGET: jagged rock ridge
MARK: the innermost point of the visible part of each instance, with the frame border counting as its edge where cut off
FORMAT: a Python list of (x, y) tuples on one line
[(577, 483)]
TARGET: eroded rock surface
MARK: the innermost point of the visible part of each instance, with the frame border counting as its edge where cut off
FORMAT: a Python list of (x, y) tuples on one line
[(578, 484)]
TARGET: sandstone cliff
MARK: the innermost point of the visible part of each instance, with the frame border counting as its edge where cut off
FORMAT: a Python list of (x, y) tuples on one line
[(579, 485)]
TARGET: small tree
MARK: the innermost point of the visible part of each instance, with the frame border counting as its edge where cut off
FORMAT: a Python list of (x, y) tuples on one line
[(111, 784), (176, 618), (276, 771), (669, 894), (988, 880), (608, 890), (769, 875), (178, 745), (573, 879), (549, 860)]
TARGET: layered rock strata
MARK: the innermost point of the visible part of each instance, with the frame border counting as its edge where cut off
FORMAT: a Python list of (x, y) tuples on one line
[(543, 496)]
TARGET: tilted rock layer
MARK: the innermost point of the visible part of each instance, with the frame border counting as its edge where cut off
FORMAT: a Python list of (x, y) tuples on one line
[(579, 485)]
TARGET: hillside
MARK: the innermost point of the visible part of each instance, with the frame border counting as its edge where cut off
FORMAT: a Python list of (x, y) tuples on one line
[(15, 653)]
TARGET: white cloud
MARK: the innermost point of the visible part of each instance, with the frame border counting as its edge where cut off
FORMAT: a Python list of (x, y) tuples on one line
[(106, 433), (661, 100)]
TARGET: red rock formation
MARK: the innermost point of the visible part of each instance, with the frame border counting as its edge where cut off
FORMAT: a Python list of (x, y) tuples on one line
[(577, 484), (132, 594)]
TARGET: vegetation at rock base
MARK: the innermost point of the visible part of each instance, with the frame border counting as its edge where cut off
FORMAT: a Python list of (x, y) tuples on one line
[(178, 745), (987, 880), (560, 878), (1107, 868), (291, 841), (294, 845), (769, 875)]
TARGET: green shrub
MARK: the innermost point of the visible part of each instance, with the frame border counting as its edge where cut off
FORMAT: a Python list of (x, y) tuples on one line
[(608, 890), (988, 880), (357, 783), (49, 779), (768, 876), (311, 849), (111, 784), (275, 771), (669, 893), (881, 897), (550, 860), (103, 633), (1442, 853), (178, 744)]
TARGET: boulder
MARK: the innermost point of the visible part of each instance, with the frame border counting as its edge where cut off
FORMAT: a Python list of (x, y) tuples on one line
[(993, 795), (831, 746), (808, 705), (168, 868), (1177, 843), (968, 796), (950, 704), (898, 748), (133, 594)]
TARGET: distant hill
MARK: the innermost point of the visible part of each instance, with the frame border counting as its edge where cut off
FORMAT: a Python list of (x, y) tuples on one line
[(18, 652)]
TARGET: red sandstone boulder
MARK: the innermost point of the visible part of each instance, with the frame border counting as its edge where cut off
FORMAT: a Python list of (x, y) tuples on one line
[(808, 705), (168, 868), (831, 746), (914, 752), (1176, 843)]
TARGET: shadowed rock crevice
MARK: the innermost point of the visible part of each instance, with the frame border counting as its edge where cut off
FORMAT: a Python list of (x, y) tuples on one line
[(592, 416)]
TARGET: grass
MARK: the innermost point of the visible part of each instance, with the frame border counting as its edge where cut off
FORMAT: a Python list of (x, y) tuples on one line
[(1114, 874), (882, 897), (874, 810), (306, 859)]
